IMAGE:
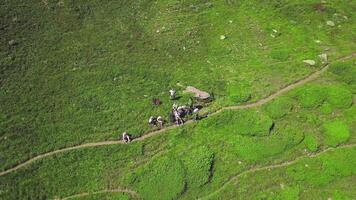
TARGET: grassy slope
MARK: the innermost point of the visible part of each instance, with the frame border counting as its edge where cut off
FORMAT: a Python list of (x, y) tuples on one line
[(135, 166), (78, 66), (80, 70)]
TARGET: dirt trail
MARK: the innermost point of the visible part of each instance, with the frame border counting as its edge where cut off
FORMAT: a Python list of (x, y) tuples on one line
[(156, 132), (130, 192), (269, 167)]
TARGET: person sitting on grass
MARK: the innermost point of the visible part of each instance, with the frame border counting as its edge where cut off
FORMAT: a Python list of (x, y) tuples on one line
[(152, 120), (196, 116), (172, 94), (126, 137)]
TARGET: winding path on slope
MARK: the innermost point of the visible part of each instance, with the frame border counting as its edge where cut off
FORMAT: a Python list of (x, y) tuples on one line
[(269, 167), (230, 180), (156, 132), (130, 192)]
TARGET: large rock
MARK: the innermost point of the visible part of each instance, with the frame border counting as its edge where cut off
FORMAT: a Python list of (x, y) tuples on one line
[(198, 93)]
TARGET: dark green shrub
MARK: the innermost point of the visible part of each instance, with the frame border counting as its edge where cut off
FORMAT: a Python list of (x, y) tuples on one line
[(311, 96), (198, 163), (162, 178), (311, 142), (279, 107), (336, 132), (339, 97)]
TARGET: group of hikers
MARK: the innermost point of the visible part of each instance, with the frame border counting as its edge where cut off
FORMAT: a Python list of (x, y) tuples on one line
[(176, 115)]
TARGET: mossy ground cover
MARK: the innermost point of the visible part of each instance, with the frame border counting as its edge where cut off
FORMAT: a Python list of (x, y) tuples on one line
[(76, 71)]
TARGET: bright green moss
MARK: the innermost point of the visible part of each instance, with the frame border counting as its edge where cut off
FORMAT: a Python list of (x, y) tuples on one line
[(311, 96), (279, 107), (339, 97), (161, 179), (258, 148), (242, 122), (311, 142), (335, 132), (326, 108), (198, 163)]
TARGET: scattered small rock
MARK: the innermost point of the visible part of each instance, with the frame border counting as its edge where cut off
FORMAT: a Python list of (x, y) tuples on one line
[(222, 37), (330, 23), (12, 42), (282, 186), (157, 31), (323, 57), (309, 62), (179, 84)]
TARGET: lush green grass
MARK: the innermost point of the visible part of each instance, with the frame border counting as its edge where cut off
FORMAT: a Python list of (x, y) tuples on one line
[(279, 107), (328, 175), (336, 132), (73, 72), (311, 142), (199, 164)]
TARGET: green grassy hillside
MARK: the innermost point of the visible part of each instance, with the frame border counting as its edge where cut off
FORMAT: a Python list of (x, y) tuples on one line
[(74, 72)]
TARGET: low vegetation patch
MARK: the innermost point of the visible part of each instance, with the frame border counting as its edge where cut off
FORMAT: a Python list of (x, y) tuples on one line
[(161, 179), (311, 96), (345, 71), (239, 92), (243, 122), (257, 148), (339, 97), (325, 169), (198, 163), (335, 132), (279, 107), (311, 142)]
